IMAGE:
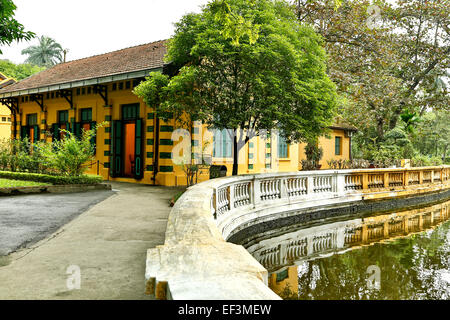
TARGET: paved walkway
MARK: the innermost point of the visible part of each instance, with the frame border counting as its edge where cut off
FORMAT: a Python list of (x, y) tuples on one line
[(108, 243)]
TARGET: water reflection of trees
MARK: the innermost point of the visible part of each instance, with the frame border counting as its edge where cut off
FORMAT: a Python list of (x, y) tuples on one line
[(411, 268)]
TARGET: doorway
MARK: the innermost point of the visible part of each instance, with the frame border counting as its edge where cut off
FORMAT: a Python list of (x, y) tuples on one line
[(130, 149), (127, 144)]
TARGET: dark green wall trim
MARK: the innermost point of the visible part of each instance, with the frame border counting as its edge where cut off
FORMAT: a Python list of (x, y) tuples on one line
[(166, 168), (149, 168), (165, 155), (149, 142), (107, 153), (166, 129), (150, 129), (150, 155), (151, 115), (250, 155), (108, 118), (107, 129), (43, 121), (107, 165), (166, 142), (107, 141), (250, 166)]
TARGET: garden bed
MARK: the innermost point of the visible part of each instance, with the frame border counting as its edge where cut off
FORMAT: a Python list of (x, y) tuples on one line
[(15, 183)]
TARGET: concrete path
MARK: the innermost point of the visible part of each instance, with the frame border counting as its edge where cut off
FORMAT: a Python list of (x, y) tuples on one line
[(107, 244)]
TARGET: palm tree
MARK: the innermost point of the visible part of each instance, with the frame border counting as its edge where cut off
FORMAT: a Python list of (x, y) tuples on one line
[(47, 53)]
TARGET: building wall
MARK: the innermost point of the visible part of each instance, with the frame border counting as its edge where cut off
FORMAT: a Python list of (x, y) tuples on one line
[(258, 156), (5, 122)]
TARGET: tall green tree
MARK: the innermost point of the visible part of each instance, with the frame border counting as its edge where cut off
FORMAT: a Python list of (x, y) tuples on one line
[(10, 29), (18, 71), (386, 61), (46, 54), (269, 74)]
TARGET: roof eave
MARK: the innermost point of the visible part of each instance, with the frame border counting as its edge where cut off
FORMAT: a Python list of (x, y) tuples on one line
[(82, 83)]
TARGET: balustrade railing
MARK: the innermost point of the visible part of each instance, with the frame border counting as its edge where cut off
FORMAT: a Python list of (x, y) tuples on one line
[(267, 189)]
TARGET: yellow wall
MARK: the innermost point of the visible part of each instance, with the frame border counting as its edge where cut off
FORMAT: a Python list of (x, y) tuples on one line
[(5, 122), (174, 176)]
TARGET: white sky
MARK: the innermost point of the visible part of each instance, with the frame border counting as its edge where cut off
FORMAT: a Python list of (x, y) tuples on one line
[(90, 27)]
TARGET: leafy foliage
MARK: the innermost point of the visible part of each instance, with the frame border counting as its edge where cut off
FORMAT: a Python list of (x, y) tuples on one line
[(18, 71), (269, 73), (66, 157), (396, 68), (53, 179), (46, 54), (10, 29)]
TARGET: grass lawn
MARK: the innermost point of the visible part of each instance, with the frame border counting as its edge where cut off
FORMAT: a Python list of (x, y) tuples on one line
[(9, 183)]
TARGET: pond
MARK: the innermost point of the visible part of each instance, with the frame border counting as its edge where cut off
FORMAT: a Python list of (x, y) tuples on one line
[(398, 255)]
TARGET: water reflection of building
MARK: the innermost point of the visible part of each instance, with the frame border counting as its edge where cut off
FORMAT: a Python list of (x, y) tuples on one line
[(292, 249), (285, 281)]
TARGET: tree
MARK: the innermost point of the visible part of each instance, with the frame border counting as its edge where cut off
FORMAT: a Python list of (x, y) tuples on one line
[(10, 29), (46, 54), (268, 75), (18, 71), (385, 69)]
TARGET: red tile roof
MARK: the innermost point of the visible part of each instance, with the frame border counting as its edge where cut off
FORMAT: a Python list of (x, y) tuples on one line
[(142, 57)]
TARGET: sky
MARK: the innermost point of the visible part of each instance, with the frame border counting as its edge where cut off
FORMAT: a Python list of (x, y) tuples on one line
[(91, 27)]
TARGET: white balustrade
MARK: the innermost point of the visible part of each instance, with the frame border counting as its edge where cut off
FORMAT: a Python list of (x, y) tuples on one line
[(284, 188)]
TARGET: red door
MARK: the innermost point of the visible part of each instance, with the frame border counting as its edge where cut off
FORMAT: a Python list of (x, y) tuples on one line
[(130, 148)]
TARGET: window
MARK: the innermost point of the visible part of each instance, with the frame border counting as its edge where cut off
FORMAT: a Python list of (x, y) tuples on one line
[(32, 119), (130, 111), (86, 119), (338, 146), (63, 116), (3, 119), (222, 144), (282, 147), (9, 119)]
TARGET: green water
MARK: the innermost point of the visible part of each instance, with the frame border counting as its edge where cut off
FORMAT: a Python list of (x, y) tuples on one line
[(414, 266)]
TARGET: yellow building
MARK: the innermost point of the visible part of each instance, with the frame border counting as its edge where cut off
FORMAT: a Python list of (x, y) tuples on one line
[(134, 145), (5, 113)]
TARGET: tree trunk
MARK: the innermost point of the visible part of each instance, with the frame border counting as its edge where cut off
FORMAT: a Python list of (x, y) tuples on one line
[(235, 154)]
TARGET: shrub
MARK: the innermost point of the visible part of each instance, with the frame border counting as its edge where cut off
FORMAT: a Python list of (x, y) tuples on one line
[(53, 179), (70, 153), (423, 161)]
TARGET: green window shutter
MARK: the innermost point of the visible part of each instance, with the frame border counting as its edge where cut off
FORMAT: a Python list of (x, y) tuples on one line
[(77, 130), (72, 125), (55, 132), (337, 146), (94, 138), (36, 133), (23, 132), (139, 154), (116, 165)]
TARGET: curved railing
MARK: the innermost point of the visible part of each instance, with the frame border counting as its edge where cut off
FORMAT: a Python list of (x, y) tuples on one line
[(196, 262)]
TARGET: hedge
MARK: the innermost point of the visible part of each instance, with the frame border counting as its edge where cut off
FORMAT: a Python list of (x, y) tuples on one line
[(55, 180)]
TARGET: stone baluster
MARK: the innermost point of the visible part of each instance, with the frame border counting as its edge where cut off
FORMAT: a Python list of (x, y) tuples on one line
[(256, 192)]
